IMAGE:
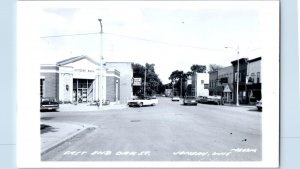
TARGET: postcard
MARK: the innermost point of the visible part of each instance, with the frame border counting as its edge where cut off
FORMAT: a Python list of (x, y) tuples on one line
[(162, 84)]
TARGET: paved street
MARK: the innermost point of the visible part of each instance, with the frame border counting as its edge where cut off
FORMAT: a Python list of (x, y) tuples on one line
[(168, 131)]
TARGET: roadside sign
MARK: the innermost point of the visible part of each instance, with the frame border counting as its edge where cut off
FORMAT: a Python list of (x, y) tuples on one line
[(227, 89), (137, 82)]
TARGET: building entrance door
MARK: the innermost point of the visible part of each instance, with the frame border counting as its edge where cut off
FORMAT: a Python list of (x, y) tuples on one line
[(82, 90)]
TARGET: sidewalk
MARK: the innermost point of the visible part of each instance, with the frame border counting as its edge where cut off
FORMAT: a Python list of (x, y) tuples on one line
[(54, 134), (88, 107), (241, 105)]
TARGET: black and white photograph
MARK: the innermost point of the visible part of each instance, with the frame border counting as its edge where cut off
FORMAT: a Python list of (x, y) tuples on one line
[(150, 83)]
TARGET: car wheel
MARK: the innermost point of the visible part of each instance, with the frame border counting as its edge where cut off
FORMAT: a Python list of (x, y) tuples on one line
[(141, 104)]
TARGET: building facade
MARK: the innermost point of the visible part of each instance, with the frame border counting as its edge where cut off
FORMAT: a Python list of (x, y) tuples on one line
[(254, 80), (223, 82), (242, 93), (126, 77), (213, 79), (200, 84), (79, 79)]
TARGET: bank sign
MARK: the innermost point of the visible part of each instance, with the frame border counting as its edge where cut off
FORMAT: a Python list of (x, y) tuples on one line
[(137, 81)]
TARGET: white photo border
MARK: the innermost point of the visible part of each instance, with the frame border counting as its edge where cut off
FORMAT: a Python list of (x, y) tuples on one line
[(28, 114)]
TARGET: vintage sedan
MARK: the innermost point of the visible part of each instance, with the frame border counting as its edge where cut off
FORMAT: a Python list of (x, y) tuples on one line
[(49, 104), (142, 101), (190, 100), (175, 98)]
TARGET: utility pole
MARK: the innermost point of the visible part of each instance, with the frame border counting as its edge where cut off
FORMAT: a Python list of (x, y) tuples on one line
[(181, 86), (173, 87), (145, 81), (238, 74), (238, 77), (100, 89)]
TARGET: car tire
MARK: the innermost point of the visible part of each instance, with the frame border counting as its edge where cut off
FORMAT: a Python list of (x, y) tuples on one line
[(141, 104)]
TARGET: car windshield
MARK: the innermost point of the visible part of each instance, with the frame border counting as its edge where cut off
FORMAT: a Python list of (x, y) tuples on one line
[(48, 100), (190, 97)]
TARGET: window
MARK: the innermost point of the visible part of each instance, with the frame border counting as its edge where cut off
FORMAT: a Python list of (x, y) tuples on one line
[(224, 80), (202, 81), (250, 80), (42, 85), (205, 86), (235, 75), (258, 77)]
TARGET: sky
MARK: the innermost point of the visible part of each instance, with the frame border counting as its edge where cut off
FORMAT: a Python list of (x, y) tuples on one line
[(171, 35)]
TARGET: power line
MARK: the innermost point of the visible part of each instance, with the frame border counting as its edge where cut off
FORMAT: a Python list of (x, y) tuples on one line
[(162, 42), (132, 37)]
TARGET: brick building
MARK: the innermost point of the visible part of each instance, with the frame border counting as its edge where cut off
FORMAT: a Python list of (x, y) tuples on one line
[(213, 79), (243, 64), (223, 82), (253, 86)]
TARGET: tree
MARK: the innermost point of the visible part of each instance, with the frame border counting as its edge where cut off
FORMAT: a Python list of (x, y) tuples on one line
[(179, 78), (198, 68), (153, 82), (214, 67), (175, 75)]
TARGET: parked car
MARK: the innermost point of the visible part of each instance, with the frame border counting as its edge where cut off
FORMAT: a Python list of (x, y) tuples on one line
[(142, 101), (214, 99), (49, 104), (175, 98), (201, 99), (210, 99), (259, 105), (189, 100)]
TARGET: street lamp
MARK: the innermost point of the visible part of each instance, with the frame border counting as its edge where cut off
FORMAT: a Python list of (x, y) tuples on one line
[(100, 66), (238, 74)]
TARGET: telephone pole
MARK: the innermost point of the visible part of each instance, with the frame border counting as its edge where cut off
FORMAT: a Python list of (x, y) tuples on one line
[(145, 80), (100, 81), (238, 74)]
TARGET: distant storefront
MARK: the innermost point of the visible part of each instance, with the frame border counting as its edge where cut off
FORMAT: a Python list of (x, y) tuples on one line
[(78, 79), (223, 82)]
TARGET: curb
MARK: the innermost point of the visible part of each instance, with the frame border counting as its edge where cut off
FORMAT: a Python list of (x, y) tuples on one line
[(247, 106), (63, 140), (93, 109)]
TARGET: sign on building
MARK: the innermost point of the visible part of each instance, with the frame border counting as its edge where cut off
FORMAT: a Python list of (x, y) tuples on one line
[(137, 82)]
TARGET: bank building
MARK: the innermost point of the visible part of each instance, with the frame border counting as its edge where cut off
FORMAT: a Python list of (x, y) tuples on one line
[(82, 80)]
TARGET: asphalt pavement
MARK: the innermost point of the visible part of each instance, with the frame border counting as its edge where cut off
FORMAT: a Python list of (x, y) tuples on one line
[(168, 131)]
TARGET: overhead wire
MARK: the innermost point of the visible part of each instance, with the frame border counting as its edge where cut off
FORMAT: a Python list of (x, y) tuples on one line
[(132, 37)]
